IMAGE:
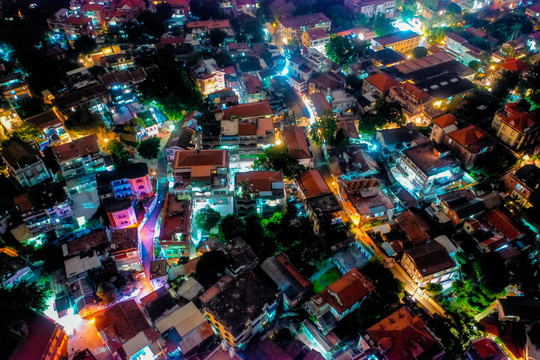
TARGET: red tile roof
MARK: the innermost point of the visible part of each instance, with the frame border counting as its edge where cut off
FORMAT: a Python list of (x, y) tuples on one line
[(521, 121), (210, 24), (78, 20), (445, 120), (296, 141), (84, 146), (346, 291), (92, 7), (304, 20), (402, 336), (382, 81), (467, 136), (317, 33), (415, 92), (252, 83), (503, 224), (312, 184), (292, 270), (247, 128), (514, 65), (248, 110), (259, 180), (193, 158)]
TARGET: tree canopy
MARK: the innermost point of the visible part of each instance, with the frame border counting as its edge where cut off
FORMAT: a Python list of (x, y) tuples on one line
[(324, 129), (149, 148), (492, 272), (210, 267), (118, 152), (341, 50), (84, 121), (419, 52), (382, 25), (84, 44), (20, 298), (278, 158), (207, 218), (383, 113), (232, 226)]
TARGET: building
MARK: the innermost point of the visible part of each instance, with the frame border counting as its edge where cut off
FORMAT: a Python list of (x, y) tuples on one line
[(339, 299), (460, 205), (159, 271), (483, 348), (9, 121), (517, 129), (469, 144), (442, 126), (126, 332), (401, 41), (289, 281), (241, 308), (387, 57), (379, 84), (412, 100), (429, 263), (296, 140), (209, 77), (200, 28), (461, 49), (404, 336), (12, 267), (259, 191), (371, 8), (14, 88), (241, 257), (393, 141), (79, 156), (94, 97), (126, 249), (253, 90), (40, 338), (364, 201), (53, 129), (320, 203), (123, 85), (430, 165), (45, 207), (294, 27), (522, 183), (174, 235), (316, 38), (24, 164), (342, 101)]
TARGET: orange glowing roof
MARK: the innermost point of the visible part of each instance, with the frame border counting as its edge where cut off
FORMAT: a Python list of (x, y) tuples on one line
[(382, 81)]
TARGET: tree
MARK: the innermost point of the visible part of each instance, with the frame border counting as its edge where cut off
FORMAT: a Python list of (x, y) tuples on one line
[(492, 272), (383, 113), (27, 132), (232, 226), (324, 129), (164, 11), (217, 37), (207, 218), (107, 292), (341, 50), (223, 59), (149, 148), (84, 121), (419, 52), (84, 44), (210, 267), (118, 152), (453, 9), (434, 288), (20, 298), (30, 107), (354, 82), (278, 158), (505, 84), (474, 65), (152, 23), (382, 25)]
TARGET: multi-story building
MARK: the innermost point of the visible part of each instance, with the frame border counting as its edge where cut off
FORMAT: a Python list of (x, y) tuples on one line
[(123, 84), (9, 121), (522, 183), (241, 309), (364, 201), (371, 8), (296, 140), (24, 164), (461, 49), (94, 97), (461, 205), (174, 235), (252, 89), (54, 131), (412, 100), (442, 126), (45, 207), (316, 38), (293, 27), (429, 263), (469, 144), (379, 84), (75, 26), (80, 156), (259, 191), (209, 77), (401, 41), (200, 28), (14, 88), (126, 249), (203, 175), (516, 128), (340, 298)]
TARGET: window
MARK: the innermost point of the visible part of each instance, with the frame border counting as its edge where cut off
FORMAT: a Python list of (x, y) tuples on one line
[(139, 180), (140, 187)]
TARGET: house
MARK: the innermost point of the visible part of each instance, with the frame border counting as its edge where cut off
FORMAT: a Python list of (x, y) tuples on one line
[(533, 12), (371, 8), (94, 97), (412, 100), (379, 84), (293, 27), (518, 308), (517, 129), (209, 77), (174, 235), (184, 328), (289, 281), (126, 249), (253, 90), (82, 289), (342, 101), (353, 164), (429, 263), (159, 270), (387, 57), (241, 258), (9, 121), (79, 156), (45, 207), (97, 241), (14, 89), (402, 335), (203, 174), (483, 349), (429, 165), (24, 164), (462, 49), (40, 338), (204, 27), (502, 224), (241, 307), (469, 144), (12, 267), (442, 126), (123, 85), (522, 183), (395, 140), (460, 205), (181, 139), (296, 140), (320, 203), (316, 38), (126, 332), (52, 126), (414, 227), (339, 299), (364, 201), (400, 41), (259, 191)]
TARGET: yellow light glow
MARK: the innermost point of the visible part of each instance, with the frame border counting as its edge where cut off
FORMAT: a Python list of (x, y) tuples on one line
[(278, 142)]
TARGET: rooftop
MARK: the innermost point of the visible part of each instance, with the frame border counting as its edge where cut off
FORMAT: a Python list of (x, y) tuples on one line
[(304, 20), (396, 37), (210, 24), (285, 275), (388, 57), (529, 175), (44, 120), (430, 258), (428, 159), (40, 197), (20, 155), (81, 147), (472, 138), (248, 110), (312, 184), (445, 120), (87, 242), (382, 81), (194, 158), (35, 344), (176, 219), (297, 143), (124, 239), (259, 180), (317, 33), (503, 224)]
